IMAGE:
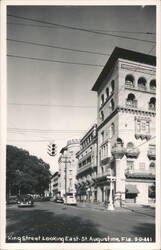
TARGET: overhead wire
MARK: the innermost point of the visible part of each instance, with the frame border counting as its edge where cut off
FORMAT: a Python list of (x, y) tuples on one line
[(79, 29), (54, 61), (57, 47), (114, 31), (50, 105)]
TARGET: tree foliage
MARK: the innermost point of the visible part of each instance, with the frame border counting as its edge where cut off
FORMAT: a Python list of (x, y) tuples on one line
[(25, 173)]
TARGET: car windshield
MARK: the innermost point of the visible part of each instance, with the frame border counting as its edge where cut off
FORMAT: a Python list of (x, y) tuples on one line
[(25, 197)]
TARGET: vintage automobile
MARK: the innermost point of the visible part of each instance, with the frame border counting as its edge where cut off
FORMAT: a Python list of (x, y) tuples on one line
[(59, 200), (69, 199), (25, 201)]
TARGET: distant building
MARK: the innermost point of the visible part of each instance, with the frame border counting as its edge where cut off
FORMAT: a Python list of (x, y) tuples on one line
[(68, 167), (126, 110), (54, 185), (87, 166)]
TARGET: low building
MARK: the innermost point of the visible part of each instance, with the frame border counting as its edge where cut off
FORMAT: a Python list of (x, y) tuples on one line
[(87, 166), (68, 167)]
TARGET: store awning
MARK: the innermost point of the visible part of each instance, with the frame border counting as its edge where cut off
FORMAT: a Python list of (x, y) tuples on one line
[(131, 189)]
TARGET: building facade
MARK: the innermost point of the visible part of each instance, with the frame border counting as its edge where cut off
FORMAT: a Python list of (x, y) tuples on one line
[(68, 168), (126, 91), (87, 166), (54, 185)]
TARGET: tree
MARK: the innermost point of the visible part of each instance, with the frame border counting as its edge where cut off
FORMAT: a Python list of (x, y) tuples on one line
[(25, 173)]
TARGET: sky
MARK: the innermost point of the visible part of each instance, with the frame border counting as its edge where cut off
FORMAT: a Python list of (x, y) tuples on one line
[(52, 100)]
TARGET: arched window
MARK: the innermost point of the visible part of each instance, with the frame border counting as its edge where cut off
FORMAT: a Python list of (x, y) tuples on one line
[(112, 85), (151, 191), (129, 81), (153, 84), (102, 99), (131, 101), (152, 165), (152, 168), (112, 105), (152, 103), (107, 92), (142, 83), (119, 140), (102, 116), (112, 130)]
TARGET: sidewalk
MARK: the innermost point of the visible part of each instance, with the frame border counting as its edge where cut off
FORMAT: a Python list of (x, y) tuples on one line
[(137, 208)]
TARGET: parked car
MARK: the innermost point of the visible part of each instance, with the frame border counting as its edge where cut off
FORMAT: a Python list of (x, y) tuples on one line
[(70, 199), (12, 199), (25, 201), (59, 200)]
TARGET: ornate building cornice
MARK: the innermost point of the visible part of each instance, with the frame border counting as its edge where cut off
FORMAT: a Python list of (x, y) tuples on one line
[(136, 111)]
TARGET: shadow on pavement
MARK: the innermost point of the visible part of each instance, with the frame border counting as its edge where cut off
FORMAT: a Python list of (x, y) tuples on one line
[(140, 212), (145, 229), (44, 223)]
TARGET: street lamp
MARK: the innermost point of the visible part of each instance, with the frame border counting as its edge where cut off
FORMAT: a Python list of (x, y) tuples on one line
[(111, 179)]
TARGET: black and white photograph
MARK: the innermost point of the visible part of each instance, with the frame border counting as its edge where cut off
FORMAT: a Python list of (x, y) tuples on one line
[(80, 125)]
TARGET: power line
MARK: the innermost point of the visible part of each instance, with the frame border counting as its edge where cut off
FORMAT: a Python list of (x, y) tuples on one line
[(63, 139), (57, 47), (16, 130), (54, 61), (50, 105), (80, 29), (114, 31), (35, 130)]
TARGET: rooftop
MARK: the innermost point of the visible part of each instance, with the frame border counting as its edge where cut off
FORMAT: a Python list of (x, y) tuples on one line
[(124, 54)]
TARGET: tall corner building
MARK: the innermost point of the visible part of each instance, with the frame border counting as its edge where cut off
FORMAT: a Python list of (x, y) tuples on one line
[(126, 103)]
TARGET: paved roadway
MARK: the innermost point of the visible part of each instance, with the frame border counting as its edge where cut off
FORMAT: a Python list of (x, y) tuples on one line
[(49, 221)]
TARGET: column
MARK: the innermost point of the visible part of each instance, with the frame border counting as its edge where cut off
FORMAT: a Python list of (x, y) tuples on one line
[(120, 182)]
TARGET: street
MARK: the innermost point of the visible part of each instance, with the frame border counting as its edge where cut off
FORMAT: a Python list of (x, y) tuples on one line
[(52, 222)]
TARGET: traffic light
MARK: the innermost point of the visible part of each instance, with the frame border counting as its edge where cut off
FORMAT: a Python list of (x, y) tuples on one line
[(52, 149)]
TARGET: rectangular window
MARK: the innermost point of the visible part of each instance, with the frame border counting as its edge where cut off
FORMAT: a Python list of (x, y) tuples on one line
[(89, 159), (143, 127), (102, 137), (152, 149), (147, 127), (138, 126)]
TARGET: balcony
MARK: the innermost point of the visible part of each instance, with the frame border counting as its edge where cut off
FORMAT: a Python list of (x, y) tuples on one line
[(118, 151), (151, 107), (132, 153), (131, 103), (102, 176), (84, 168), (140, 174), (142, 87), (151, 154), (129, 84)]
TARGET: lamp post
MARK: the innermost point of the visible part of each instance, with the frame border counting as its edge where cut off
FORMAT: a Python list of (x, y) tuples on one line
[(111, 179)]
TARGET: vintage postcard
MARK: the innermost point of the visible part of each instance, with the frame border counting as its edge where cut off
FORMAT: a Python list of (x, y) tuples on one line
[(80, 124)]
